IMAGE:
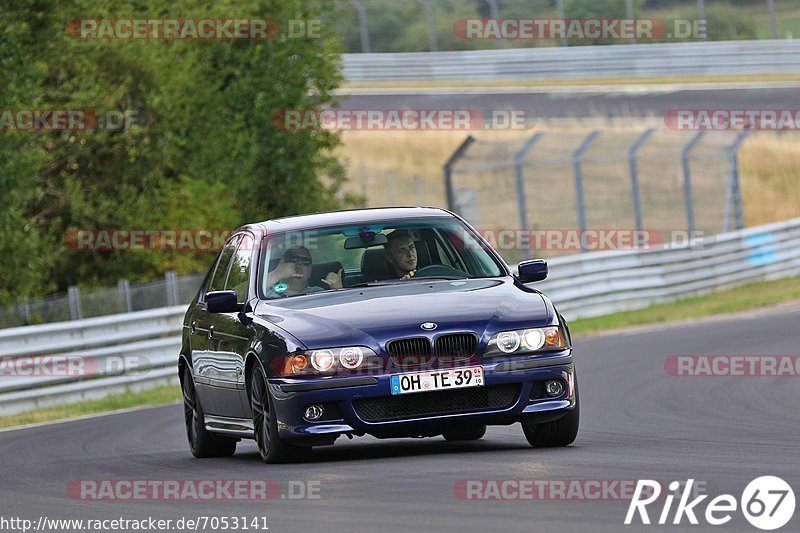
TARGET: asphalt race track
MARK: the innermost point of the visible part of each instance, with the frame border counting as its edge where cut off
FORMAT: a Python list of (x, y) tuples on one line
[(582, 102), (637, 422)]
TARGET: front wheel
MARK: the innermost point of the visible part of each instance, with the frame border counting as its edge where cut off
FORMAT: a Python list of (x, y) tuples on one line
[(561, 432), (201, 441), (272, 448)]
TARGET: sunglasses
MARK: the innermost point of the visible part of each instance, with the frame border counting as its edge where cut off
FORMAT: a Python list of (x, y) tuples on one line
[(305, 261)]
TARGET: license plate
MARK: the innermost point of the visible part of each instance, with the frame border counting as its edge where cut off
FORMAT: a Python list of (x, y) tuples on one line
[(455, 378)]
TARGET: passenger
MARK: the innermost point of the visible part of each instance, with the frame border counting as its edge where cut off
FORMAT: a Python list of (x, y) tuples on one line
[(290, 277)]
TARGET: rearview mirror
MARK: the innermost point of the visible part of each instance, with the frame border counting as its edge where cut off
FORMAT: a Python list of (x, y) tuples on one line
[(222, 302), (533, 270)]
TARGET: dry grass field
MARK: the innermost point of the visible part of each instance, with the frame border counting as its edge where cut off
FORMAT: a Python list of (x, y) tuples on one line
[(405, 167)]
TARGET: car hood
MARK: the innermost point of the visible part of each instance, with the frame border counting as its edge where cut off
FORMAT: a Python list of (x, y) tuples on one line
[(372, 315)]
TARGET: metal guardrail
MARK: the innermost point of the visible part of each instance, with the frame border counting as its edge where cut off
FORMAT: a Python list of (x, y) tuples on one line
[(86, 359), (628, 60), (139, 350)]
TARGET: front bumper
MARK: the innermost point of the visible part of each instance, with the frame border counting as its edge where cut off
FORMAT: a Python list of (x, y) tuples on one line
[(522, 399)]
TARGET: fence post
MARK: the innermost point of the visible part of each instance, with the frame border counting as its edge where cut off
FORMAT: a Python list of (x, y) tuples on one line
[(362, 24), (448, 172), (519, 162), (390, 187), (576, 166), (687, 181), (417, 187), (636, 196), (733, 195), (74, 299), (171, 283), (364, 181), (430, 15), (124, 287)]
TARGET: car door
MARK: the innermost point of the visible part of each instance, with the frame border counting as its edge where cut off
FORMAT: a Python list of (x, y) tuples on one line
[(236, 335), (231, 337), (213, 367)]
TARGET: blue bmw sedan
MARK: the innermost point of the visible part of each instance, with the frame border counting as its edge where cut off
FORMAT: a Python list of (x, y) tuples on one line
[(394, 322)]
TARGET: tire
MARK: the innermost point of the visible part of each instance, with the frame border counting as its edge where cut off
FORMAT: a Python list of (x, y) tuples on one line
[(465, 433), (561, 432), (271, 446), (201, 441)]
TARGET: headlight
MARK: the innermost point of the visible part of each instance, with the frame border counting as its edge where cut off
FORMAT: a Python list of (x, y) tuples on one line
[(328, 361), (525, 341)]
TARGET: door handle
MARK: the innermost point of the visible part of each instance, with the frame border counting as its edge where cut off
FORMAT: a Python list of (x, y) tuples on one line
[(211, 331), (193, 326)]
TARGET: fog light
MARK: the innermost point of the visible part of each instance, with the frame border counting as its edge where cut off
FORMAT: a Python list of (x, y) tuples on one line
[(554, 387), (313, 412)]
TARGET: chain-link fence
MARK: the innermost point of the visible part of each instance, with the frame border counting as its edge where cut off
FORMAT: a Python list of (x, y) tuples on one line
[(86, 303), (655, 182)]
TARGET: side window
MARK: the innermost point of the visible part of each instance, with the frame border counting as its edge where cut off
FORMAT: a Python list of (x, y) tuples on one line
[(221, 270), (239, 275)]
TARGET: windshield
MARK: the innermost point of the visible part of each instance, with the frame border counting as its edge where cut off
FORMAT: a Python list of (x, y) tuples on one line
[(344, 257)]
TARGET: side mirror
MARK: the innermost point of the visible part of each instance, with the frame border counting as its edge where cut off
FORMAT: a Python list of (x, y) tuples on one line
[(533, 270), (222, 302)]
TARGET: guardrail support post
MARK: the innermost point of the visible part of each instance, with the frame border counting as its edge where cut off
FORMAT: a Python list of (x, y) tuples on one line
[(733, 194), (522, 205), (171, 283), (449, 191), (687, 181), (635, 195), (74, 299), (124, 287), (576, 166), (560, 14)]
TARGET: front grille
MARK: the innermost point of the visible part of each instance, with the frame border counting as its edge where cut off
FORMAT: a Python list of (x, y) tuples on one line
[(456, 347), (436, 403), (410, 353)]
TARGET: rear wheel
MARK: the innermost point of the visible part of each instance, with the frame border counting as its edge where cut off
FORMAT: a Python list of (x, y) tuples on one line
[(272, 448), (465, 433), (561, 432), (201, 441)]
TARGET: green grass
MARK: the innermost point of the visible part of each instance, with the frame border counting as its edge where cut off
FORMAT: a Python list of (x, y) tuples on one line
[(155, 396), (753, 296)]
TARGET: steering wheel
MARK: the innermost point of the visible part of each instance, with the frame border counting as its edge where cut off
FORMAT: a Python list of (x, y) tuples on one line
[(439, 270)]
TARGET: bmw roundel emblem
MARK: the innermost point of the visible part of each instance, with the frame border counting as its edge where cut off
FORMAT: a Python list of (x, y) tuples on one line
[(428, 326)]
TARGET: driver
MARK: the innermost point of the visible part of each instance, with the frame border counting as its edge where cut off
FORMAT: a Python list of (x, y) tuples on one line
[(401, 253), (290, 277)]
